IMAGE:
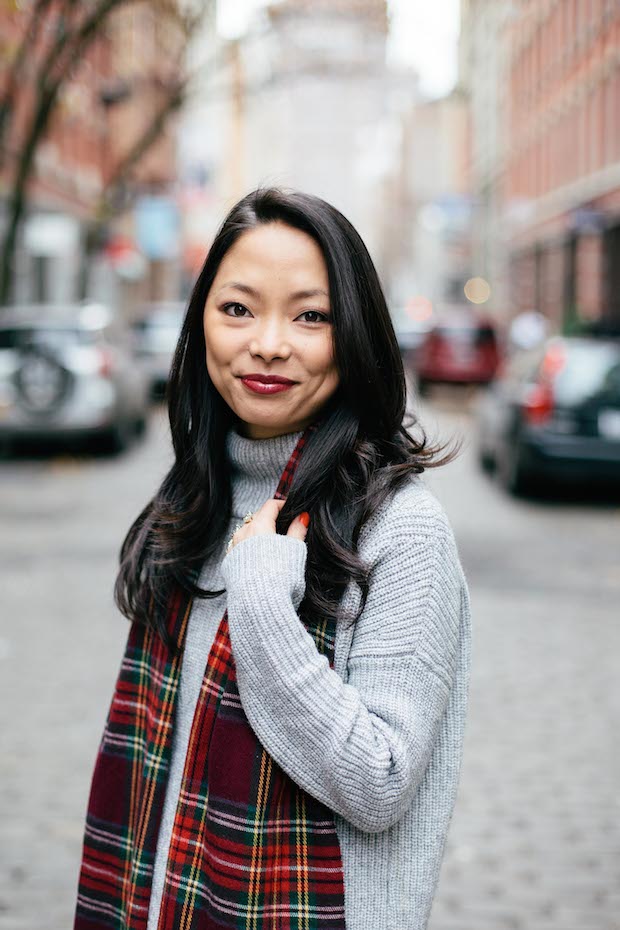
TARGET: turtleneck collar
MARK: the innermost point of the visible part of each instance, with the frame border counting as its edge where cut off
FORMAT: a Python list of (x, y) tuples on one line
[(256, 459)]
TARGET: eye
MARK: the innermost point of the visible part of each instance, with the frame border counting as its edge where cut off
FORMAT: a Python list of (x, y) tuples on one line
[(313, 316), (235, 309)]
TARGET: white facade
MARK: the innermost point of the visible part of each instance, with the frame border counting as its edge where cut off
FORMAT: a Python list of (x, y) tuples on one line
[(302, 100)]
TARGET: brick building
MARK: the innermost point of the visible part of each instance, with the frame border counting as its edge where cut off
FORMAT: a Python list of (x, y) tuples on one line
[(562, 167), (66, 182), (554, 181), (69, 160), (112, 94)]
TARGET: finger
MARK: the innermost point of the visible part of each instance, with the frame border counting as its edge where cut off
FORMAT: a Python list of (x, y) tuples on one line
[(271, 508), (299, 527), (265, 518)]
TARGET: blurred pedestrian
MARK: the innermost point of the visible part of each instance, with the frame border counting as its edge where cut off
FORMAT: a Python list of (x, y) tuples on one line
[(284, 741)]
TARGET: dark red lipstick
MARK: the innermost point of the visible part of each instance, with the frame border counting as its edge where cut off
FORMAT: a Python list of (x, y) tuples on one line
[(266, 384)]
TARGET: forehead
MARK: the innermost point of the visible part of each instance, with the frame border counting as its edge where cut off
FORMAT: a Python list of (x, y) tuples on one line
[(273, 254)]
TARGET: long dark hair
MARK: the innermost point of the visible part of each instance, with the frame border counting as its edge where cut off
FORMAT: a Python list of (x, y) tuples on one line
[(360, 452)]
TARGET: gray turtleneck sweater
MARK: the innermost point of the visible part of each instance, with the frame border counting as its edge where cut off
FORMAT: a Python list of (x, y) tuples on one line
[(378, 738)]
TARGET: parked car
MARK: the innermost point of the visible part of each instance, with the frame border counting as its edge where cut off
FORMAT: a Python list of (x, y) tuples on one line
[(156, 332), (68, 373), (460, 348), (554, 413)]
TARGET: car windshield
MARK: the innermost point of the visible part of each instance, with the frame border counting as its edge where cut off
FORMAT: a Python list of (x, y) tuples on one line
[(59, 337), (162, 321), (589, 370), (160, 331)]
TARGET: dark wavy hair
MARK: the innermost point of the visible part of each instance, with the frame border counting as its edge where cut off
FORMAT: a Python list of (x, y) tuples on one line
[(360, 452)]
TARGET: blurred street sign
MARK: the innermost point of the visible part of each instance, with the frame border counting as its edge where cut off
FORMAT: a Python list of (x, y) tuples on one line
[(157, 227)]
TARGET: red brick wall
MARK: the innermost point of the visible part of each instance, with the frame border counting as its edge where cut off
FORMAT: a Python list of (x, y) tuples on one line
[(563, 128), (589, 277), (72, 145), (83, 138), (564, 80)]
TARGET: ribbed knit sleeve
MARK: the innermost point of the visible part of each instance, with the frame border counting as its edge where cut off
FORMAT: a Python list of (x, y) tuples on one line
[(360, 746)]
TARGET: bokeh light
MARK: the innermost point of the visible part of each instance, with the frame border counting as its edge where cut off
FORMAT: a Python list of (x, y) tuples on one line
[(419, 308), (477, 290)]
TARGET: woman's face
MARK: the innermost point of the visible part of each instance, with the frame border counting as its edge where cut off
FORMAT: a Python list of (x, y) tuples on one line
[(268, 331)]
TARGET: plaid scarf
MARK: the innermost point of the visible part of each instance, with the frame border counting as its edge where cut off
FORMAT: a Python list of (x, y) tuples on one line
[(249, 848)]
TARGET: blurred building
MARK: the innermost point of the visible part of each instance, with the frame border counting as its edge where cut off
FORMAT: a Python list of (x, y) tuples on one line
[(68, 168), (300, 101), (482, 70), (112, 96), (432, 206), (544, 79), (146, 53)]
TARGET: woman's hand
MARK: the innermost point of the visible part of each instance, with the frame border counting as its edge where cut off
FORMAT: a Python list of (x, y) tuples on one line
[(263, 522)]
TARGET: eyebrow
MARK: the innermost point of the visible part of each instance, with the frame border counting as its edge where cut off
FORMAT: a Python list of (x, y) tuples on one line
[(297, 295)]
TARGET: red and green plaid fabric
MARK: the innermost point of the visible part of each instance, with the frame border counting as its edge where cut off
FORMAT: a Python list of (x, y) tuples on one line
[(250, 850)]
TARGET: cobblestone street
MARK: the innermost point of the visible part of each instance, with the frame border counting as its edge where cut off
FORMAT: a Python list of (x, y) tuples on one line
[(535, 839)]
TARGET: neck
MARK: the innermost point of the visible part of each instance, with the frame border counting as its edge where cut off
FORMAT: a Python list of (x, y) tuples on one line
[(255, 431), (256, 467)]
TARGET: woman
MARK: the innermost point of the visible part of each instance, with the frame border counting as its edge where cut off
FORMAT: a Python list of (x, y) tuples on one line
[(283, 746)]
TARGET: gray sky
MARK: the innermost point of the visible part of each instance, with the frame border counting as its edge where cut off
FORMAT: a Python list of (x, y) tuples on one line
[(423, 34)]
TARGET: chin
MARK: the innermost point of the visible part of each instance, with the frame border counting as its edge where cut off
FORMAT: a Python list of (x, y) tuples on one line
[(270, 425)]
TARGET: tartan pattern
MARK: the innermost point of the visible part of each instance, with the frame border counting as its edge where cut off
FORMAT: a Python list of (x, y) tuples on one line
[(250, 850)]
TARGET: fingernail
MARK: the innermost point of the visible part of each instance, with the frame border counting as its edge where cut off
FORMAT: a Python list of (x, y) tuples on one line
[(305, 518)]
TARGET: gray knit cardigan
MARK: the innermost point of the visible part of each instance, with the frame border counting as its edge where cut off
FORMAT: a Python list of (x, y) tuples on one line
[(379, 737)]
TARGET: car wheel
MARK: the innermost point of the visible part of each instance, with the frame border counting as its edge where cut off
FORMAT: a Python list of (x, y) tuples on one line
[(6, 448), (511, 472), (41, 381)]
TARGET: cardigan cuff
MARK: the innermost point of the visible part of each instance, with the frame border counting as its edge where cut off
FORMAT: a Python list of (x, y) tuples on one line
[(267, 563)]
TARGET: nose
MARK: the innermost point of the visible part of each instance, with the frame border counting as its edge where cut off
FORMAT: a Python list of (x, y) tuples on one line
[(269, 341)]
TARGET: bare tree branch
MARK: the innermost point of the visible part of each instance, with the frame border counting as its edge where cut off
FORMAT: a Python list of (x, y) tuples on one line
[(71, 45), (75, 31), (67, 47), (152, 133), (16, 69)]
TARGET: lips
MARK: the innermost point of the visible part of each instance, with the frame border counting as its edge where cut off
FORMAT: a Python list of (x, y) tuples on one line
[(266, 384), (267, 379)]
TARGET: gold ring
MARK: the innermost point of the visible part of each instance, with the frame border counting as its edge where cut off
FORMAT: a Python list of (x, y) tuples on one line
[(247, 519), (230, 541)]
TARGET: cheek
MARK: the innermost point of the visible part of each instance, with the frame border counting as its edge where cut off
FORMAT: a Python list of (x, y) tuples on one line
[(215, 358), (321, 363), (218, 344)]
